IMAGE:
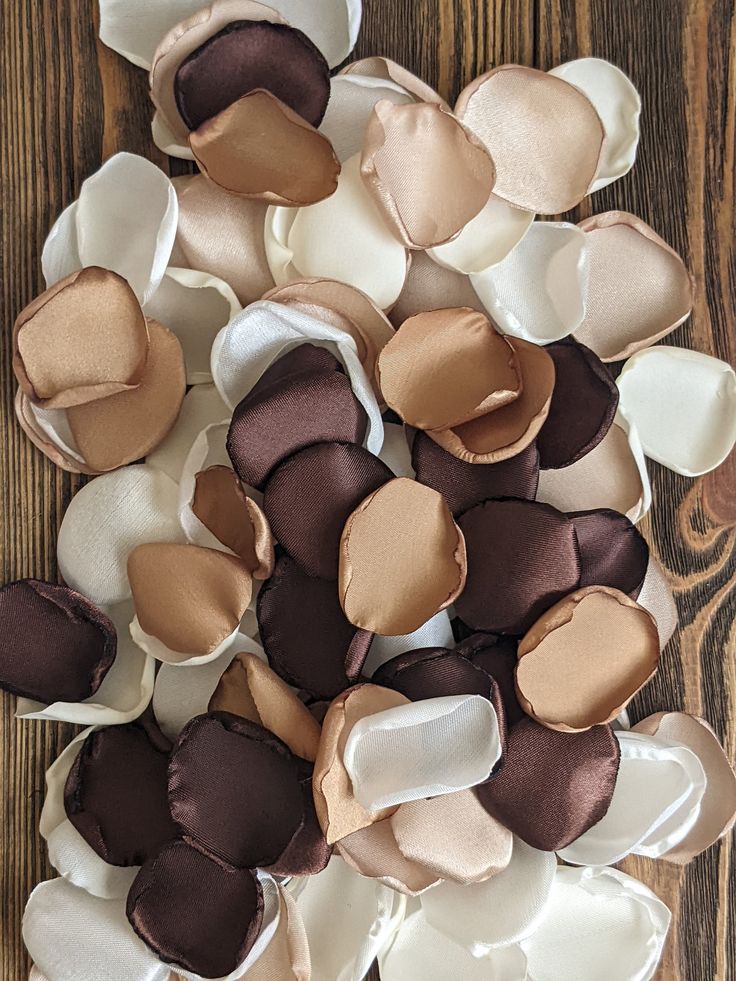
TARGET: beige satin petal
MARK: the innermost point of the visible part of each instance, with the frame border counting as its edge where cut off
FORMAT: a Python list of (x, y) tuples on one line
[(443, 368), (585, 659), (125, 427), (656, 597), (185, 39), (429, 286), (260, 148), (83, 339), (402, 559), (250, 688), (236, 521), (452, 172), (390, 71), (374, 853), (453, 836), (222, 234), (338, 811), (544, 135), (41, 439), (502, 434), (718, 807), (190, 599), (287, 956), (638, 287)]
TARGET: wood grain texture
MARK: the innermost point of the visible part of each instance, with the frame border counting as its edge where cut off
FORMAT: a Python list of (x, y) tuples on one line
[(68, 103)]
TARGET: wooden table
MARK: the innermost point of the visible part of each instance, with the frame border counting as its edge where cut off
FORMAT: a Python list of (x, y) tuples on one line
[(68, 103)]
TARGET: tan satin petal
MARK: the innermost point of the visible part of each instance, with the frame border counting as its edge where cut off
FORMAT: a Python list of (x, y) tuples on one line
[(639, 290), (344, 307), (41, 441), (452, 175), (250, 688), (189, 598), (185, 39), (338, 811), (544, 135), (446, 367), (374, 853), (430, 286), (287, 956), (223, 507), (502, 434), (585, 659), (453, 836), (402, 559), (125, 427), (390, 71), (83, 339), (260, 148), (222, 234), (718, 808)]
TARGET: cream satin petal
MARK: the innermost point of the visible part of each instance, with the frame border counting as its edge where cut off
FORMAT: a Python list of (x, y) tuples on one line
[(195, 306), (430, 286), (263, 332), (617, 103), (166, 140), (72, 935), (613, 475), (333, 25), (600, 924), (183, 691), (395, 451), (500, 911), (345, 238), (60, 256), (656, 597), (286, 958), (36, 975), (419, 952), (124, 693), (718, 808), (538, 291), (683, 405), (202, 407), (106, 520), (638, 291), (423, 749), (655, 804), (486, 239), (436, 632), (352, 100), (389, 71), (349, 920), (134, 28), (279, 256)]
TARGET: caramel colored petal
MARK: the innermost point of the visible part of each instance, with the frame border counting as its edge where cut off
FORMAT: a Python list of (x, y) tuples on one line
[(249, 688), (453, 836), (638, 287), (430, 287), (444, 368), (126, 427), (190, 599), (338, 811), (262, 149), (83, 339), (236, 521), (388, 70), (402, 559), (504, 433), (374, 853), (452, 173), (544, 135), (585, 659)]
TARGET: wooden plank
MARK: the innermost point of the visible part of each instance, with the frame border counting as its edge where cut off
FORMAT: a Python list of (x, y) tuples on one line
[(68, 103)]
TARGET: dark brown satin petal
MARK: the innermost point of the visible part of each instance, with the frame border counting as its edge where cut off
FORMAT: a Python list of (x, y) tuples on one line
[(583, 408), (250, 55), (308, 639), (554, 786), (522, 558), (466, 484), (194, 912), (310, 496), (433, 672), (55, 646), (308, 852), (115, 794), (612, 551), (497, 656), (234, 788), (292, 409)]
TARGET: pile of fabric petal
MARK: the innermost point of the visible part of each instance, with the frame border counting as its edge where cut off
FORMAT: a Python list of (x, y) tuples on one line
[(353, 645)]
